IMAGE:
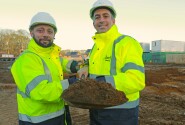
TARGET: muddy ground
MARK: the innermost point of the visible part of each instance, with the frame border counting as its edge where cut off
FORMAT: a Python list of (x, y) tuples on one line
[(162, 101)]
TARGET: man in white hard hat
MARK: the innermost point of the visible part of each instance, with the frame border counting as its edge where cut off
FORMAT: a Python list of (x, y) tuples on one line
[(117, 60), (38, 74)]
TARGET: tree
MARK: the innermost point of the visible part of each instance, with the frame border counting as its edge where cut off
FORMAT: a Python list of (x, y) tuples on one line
[(13, 42)]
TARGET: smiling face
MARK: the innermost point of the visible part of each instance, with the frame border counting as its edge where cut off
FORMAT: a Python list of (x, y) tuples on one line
[(103, 20), (43, 35)]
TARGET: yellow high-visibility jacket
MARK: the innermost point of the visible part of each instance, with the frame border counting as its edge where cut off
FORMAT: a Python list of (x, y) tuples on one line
[(38, 74), (119, 58)]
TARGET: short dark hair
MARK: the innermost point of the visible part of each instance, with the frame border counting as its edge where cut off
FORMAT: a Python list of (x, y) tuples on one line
[(103, 7)]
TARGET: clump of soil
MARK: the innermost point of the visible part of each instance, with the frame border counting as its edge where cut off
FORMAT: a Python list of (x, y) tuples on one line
[(92, 94)]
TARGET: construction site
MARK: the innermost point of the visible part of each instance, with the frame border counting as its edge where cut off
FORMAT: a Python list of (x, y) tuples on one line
[(162, 101), (157, 89)]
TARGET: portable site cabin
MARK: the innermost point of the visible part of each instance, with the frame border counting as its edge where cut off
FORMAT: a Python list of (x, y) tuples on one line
[(161, 49), (168, 46)]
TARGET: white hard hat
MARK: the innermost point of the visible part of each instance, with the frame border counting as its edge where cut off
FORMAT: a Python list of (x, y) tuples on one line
[(101, 4), (43, 18)]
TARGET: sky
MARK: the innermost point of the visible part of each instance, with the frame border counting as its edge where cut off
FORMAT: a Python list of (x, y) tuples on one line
[(145, 20)]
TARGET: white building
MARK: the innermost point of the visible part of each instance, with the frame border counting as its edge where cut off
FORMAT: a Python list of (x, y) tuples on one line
[(168, 46)]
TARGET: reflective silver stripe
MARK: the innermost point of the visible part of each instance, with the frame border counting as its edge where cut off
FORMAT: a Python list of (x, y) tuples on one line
[(21, 93), (37, 119), (110, 79), (34, 83), (113, 60), (92, 76), (31, 86), (65, 84), (46, 70), (131, 104), (132, 66)]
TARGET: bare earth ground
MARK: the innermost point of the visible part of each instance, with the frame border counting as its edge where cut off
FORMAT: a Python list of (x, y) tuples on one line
[(162, 101)]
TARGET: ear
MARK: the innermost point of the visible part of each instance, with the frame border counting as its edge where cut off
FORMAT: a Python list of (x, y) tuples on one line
[(31, 33), (93, 24), (114, 21), (54, 36)]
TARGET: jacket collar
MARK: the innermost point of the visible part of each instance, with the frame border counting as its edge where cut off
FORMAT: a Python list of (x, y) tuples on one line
[(34, 47), (110, 35)]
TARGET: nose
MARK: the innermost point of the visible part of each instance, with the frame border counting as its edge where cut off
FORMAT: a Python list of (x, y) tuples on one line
[(45, 33), (101, 20)]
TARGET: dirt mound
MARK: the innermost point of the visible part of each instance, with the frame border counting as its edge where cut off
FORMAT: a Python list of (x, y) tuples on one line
[(164, 73), (92, 94)]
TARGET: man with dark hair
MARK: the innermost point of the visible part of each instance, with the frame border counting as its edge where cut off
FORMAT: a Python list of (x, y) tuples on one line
[(117, 60)]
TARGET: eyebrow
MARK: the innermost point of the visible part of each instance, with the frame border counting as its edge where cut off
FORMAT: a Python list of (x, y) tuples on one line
[(102, 14), (44, 28)]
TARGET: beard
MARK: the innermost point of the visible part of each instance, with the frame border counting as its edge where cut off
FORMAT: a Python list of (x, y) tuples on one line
[(44, 42)]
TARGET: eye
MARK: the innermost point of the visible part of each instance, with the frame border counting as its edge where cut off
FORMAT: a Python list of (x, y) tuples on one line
[(97, 17), (106, 16), (50, 32), (39, 30)]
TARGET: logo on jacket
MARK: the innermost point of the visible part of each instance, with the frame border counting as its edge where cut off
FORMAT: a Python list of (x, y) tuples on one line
[(108, 58)]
